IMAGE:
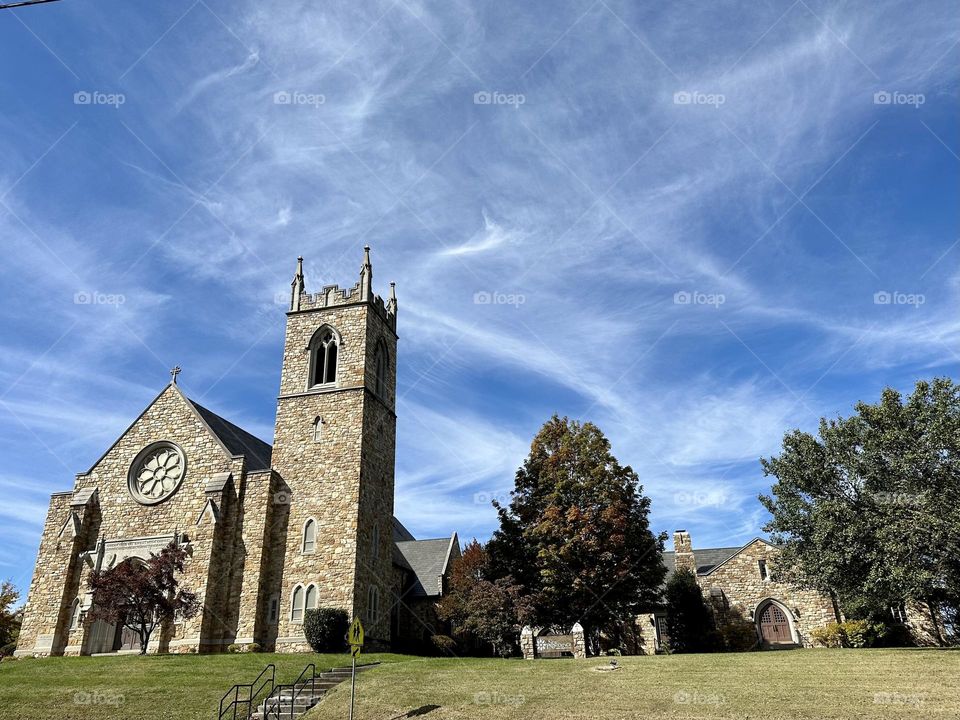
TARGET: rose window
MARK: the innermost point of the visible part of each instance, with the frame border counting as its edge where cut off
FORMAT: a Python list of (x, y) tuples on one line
[(156, 473)]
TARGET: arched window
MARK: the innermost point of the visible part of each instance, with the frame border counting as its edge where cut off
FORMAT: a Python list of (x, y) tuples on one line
[(323, 356), (317, 429), (373, 604), (75, 615), (311, 603), (375, 540), (296, 605), (381, 366), (310, 536)]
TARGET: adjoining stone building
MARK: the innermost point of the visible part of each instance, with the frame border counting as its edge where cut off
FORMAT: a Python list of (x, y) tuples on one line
[(738, 587), (270, 531)]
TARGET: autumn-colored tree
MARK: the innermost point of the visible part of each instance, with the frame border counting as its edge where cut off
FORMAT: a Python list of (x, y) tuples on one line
[(9, 618), (576, 533), (143, 595), (492, 611)]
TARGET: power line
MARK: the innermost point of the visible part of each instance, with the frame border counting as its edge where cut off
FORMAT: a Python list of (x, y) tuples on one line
[(8, 6)]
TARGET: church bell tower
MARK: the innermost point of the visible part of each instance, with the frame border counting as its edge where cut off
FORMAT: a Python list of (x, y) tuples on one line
[(334, 450)]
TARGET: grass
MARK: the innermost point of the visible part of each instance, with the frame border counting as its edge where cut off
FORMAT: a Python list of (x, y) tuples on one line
[(828, 684), (153, 687), (797, 684)]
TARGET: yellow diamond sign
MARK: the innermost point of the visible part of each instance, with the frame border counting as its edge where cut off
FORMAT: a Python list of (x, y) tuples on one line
[(355, 634)]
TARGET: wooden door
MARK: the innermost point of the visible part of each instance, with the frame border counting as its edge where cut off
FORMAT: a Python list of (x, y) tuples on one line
[(774, 626), (127, 639)]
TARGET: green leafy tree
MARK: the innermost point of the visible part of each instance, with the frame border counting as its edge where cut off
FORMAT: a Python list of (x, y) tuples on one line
[(9, 617), (870, 509), (576, 533), (689, 622)]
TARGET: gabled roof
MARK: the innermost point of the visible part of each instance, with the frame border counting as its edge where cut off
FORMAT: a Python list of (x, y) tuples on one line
[(707, 558), (428, 559), (237, 440), (400, 533), (233, 440)]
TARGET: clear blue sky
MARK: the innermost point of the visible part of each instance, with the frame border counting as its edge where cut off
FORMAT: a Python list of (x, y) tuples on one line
[(593, 165)]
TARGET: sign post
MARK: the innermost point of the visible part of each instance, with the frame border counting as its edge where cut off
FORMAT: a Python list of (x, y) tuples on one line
[(355, 638)]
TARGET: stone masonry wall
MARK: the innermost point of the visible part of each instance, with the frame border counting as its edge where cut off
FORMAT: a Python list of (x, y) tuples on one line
[(744, 590), (121, 517), (343, 481)]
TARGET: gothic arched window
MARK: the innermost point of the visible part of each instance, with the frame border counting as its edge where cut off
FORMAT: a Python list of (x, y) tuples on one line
[(75, 615), (296, 605), (317, 429), (381, 370), (373, 604), (375, 541), (310, 536), (323, 356), (311, 603)]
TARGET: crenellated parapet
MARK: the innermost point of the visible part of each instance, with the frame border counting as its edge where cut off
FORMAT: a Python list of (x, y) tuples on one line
[(333, 295)]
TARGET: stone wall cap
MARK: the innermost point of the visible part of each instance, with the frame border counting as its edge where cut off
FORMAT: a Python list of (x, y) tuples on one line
[(82, 497), (218, 482)]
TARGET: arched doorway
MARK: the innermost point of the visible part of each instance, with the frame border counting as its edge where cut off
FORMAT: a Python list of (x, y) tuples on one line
[(775, 624)]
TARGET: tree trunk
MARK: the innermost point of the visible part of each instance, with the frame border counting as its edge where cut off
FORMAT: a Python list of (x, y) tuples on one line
[(936, 624)]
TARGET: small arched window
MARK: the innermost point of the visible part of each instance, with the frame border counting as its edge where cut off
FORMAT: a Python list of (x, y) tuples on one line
[(296, 605), (75, 615), (310, 536), (323, 357), (381, 366), (311, 603), (317, 433), (373, 604), (375, 541)]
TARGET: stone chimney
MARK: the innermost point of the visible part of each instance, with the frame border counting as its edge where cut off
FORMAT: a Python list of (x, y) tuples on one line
[(683, 551)]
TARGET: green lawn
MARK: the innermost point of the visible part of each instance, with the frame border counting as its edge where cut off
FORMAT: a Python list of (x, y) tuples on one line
[(155, 687), (771, 685), (804, 684)]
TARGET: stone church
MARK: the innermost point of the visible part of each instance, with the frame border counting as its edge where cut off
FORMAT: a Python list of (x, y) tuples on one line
[(270, 531)]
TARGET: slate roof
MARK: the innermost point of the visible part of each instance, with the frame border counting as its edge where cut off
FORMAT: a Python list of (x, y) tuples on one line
[(707, 559), (427, 559), (400, 533), (237, 440)]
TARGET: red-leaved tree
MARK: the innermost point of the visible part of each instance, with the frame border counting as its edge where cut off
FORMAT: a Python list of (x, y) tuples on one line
[(143, 595)]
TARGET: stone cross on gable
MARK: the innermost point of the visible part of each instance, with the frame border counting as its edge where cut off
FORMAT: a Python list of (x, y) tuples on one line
[(174, 373)]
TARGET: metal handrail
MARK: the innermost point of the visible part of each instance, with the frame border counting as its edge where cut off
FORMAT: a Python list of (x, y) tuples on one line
[(235, 691), (295, 692)]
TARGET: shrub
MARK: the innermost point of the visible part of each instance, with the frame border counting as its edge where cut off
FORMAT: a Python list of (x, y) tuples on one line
[(738, 635), (860, 633), (326, 629), (443, 644), (849, 634), (253, 647), (233, 648), (8, 649)]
